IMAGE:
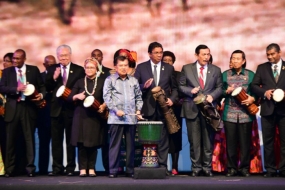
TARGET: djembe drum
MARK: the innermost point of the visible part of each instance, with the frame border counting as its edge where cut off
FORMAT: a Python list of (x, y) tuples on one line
[(31, 93), (149, 133), (278, 95), (91, 102), (63, 92), (240, 94), (170, 118), (208, 110)]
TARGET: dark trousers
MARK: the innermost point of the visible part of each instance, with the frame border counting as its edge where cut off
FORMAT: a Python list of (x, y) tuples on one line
[(201, 138), (58, 125), (87, 157), (116, 133), (105, 148), (22, 121), (269, 124), (238, 135), (163, 145)]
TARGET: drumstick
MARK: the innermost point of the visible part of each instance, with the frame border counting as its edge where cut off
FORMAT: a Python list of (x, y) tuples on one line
[(133, 114)]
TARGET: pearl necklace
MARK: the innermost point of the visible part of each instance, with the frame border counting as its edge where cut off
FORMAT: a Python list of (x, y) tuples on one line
[(85, 86)]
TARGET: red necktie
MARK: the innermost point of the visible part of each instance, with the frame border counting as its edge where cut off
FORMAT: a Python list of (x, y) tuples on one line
[(201, 77)]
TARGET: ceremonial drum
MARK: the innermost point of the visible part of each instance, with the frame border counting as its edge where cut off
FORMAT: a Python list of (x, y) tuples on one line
[(170, 118), (31, 93), (278, 95), (63, 92), (90, 101), (149, 133), (240, 95), (2, 104), (208, 110)]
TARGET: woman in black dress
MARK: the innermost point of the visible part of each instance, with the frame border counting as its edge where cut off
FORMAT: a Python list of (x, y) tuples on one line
[(87, 129)]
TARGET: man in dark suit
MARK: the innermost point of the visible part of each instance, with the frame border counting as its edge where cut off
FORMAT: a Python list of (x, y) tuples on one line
[(64, 73), (150, 74), (270, 76), (200, 77), (21, 111), (44, 123), (105, 72)]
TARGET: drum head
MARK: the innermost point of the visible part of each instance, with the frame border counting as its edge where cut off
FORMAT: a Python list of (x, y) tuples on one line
[(199, 99), (30, 89), (237, 91), (88, 101), (60, 91), (278, 95)]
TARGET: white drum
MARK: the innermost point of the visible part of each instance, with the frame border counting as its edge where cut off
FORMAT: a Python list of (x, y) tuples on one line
[(88, 101), (30, 89), (60, 91), (236, 91), (278, 95)]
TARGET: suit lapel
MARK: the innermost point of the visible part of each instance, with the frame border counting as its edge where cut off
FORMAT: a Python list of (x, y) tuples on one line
[(70, 74), (195, 74), (28, 79), (209, 75), (14, 76), (270, 72), (162, 70), (282, 72)]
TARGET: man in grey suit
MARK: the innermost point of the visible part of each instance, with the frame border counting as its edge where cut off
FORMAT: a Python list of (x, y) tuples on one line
[(205, 78)]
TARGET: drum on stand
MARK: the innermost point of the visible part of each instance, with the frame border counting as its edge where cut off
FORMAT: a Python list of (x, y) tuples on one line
[(31, 93), (240, 94), (149, 133), (278, 95), (63, 92)]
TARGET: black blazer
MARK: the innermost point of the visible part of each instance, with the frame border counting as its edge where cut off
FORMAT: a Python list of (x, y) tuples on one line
[(75, 72), (264, 80), (189, 80), (8, 86), (167, 82)]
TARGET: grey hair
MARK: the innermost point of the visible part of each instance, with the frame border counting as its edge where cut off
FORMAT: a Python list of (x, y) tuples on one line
[(64, 46)]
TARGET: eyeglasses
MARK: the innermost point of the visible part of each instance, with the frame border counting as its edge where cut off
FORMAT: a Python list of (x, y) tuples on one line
[(90, 68), (6, 60), (157, 53)]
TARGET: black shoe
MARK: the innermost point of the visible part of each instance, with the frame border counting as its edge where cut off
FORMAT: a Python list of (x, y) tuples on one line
[(82, 175), (196, 173), (53, 174), (113, 175), (8, 175), (167, 173), (244, 173), (92, 175), (208, 173), (269, 174), (282, 173), (70, 174), (129, 175), (231, 173), (31, 175)]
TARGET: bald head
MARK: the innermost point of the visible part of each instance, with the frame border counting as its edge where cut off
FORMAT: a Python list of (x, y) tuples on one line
[(49, 60)]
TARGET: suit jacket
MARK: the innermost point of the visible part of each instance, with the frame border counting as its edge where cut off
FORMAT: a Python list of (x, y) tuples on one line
[(8, 86), (106, 72), (264, 80), (76, 72), (189, 80), (167, 82)]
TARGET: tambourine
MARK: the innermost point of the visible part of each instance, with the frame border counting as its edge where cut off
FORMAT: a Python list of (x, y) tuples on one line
[(240, 94), (31, 93), (278, 95), (91, 102), (63, 92)]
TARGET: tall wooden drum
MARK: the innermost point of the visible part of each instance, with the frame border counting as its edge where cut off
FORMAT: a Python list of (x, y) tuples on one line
[(149, 133)]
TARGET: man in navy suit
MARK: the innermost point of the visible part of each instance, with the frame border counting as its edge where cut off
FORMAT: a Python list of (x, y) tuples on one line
[(195, 78), (270, 76), (65, 73), (44, 122), (20, 111), (150, 74)]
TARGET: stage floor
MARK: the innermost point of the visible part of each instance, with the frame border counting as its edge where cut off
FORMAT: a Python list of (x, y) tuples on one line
[(172, 183)]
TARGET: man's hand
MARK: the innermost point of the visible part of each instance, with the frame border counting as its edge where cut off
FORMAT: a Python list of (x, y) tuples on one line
[(169, 102), (21, 87), (56, 73), (38, 97), (209, 98), (139, 116), (248, 101), (268, 93), (80, 96), (120, 113), (195, 90), (102, 107), (147, 83), (230, 89)]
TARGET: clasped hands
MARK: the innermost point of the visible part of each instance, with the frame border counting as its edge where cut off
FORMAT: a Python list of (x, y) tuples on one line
[(195, 90), (22, 87)]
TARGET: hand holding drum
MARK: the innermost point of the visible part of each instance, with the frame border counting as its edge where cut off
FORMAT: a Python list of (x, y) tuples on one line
[(240, 94), (33, 94)]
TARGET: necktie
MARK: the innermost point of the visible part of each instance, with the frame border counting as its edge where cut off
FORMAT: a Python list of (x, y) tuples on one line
[(275, 73), (201, 81), (64, 75), (155, 75), (21, 80)]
